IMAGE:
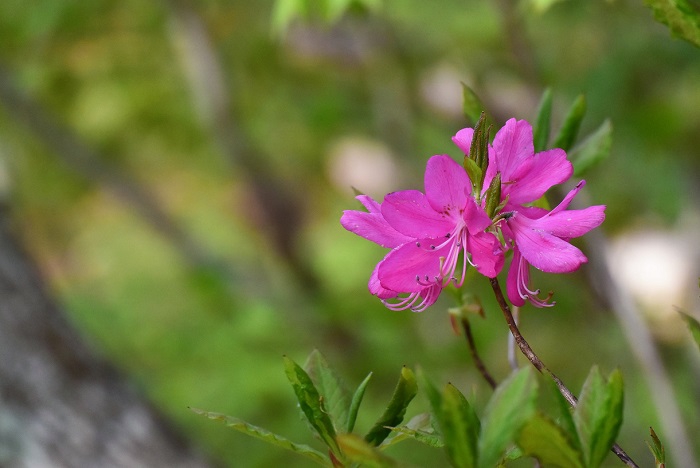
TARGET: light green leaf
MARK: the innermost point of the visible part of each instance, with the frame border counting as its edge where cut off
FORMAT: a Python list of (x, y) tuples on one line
[(267, 436), (405, 390), (572, 123), (598, 415), (311, 403), (512, 404), (355, 403), (657, 449), (542, 125), (694, 327), (541, 6), (284, 12), (331, 387), (471, 105), (460, 428), (593, 149), (358, 450), (543, 439), (418, 428), (473, 171), (681, 16)]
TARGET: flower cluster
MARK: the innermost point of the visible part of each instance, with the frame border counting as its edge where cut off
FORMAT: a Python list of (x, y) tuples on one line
[(433, 236)]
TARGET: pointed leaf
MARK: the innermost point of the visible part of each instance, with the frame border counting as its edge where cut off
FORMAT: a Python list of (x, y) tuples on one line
[(694, 327), (681, 16), (419, 428), (460, 428), (473, 171), (598, 415), (572, 122), (512, 404), (336, 397), (355, 403), (267, 436), (549, 443), (310, 402), (404, 392), (541, 128), (471, 105), (565, 415), (593, 149), (358, 450), (657, 449)]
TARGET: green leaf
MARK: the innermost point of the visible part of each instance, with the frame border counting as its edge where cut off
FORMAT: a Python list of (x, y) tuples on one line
[(405, 390), (681, 16), (572, 123), (284, 12), (336, 397), (598, 415), (541, 128), (512, 404), (471, 105), (543, 439), (358, 450), (418, 428), (493, 195), (460, 428), (565, 416), (355, 403), (541, 6), (267, 436), (473, 171), (593, 149), (694, 326), (310, 402), (657, 449)]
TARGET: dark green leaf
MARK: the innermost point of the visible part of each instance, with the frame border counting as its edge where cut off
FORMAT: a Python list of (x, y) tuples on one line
[(543, 439), (310, 402), (493, 195), (681, 16), (512, 404), (355, 403), (541, 128), (593, 149), (471, 105), (572, 122), (460, 428), (694, 326), (657, 449), (330, 386), (267, 436), (358, 450), (404, 392), (598, 415)]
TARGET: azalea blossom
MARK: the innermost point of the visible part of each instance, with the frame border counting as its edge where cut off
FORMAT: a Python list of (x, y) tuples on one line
[(433, 236)]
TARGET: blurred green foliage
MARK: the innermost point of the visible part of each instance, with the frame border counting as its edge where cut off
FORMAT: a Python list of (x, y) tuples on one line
[(211, 337)]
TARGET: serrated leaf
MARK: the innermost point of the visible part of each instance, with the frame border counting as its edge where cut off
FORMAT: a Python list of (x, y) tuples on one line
[(331, 387), (541, 128), (694, 327), (593, 149), (358, 450), (511, 405), (657, 449), (681, 16), (471, 105), (572, 123), (405, 391), (355, 403), (265, 435), (418, 428), (310, 402), (549, 443), (598, 415), (460, 428)]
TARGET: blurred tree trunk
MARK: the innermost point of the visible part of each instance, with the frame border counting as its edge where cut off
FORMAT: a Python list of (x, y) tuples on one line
[(60, 404)]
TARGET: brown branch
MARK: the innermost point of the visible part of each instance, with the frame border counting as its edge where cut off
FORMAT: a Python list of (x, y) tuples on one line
[(466, 326), (539, 365)]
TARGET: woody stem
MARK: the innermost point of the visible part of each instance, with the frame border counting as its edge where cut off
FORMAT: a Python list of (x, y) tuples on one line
[(539, 365)]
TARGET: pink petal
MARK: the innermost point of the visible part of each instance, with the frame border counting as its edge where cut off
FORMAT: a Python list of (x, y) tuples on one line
[(571, 223), (410, 213), (515, 271), (475, 217), (445, 183), (369, 203), (513, 147), (373, 227), (375, 287), (463, 139), (532, 180), (487, 254), (410, 268)]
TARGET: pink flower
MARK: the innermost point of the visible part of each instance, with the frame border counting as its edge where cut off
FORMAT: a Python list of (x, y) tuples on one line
[(429, 234)]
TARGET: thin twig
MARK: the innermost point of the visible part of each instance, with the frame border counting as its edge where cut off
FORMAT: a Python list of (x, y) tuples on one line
[(512, 358), (540, 366), (466, 326)]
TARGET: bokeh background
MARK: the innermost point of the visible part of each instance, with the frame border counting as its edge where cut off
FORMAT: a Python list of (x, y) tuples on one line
[(178, 170)]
